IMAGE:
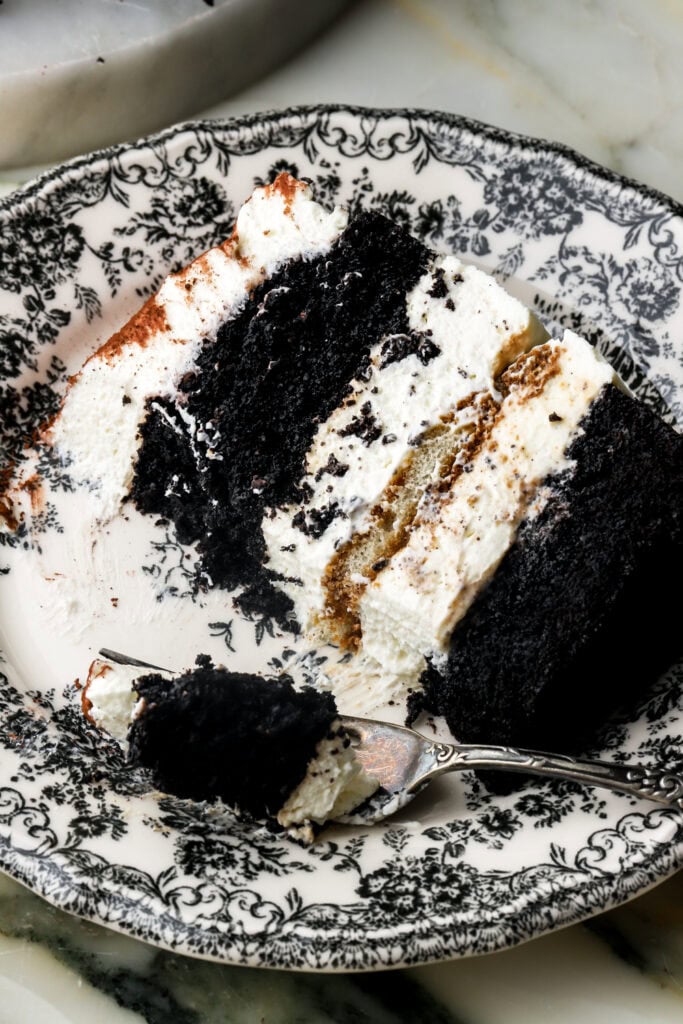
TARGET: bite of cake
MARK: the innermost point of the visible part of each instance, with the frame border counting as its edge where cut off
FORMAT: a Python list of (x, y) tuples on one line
[(259, 745)]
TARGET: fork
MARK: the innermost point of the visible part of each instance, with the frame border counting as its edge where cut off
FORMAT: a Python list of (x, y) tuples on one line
[(404, 762)]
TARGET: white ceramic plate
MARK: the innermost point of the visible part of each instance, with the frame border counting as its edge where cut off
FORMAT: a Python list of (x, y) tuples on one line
[(462, 872)]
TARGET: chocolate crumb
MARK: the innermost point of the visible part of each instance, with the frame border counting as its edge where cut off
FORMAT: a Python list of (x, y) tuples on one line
[(439, 289), (364, 426), (400, 346), (333, 466), (414, 706), (315, 521)]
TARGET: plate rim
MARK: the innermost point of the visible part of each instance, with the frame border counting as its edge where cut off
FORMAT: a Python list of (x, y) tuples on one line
[(488, 131)]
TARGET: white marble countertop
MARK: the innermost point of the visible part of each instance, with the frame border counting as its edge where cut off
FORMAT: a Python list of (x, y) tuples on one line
[(624, 967), (605, 77)]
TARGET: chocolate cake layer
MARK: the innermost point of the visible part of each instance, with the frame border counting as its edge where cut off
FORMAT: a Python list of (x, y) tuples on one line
[(578, 617), (210, 733), (236, 440)]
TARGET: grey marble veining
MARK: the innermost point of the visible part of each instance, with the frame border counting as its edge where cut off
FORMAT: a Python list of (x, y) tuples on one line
[(625, 966), (102, 971)]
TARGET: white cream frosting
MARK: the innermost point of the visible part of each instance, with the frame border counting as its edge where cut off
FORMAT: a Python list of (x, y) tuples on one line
[(96, 430), (410, 610), (484, 328), (111, 701), (335, 784)]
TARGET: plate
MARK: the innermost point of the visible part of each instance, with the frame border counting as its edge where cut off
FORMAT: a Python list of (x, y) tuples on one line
[(460, 872)]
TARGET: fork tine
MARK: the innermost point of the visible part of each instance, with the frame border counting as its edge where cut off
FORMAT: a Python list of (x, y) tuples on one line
[(125, 659)]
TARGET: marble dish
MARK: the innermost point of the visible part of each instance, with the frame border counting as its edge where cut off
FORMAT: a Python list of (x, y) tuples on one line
[(461, 871)]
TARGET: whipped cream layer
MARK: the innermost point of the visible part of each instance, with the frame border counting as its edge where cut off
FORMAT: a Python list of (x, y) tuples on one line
[(109, 699), (460, 535), (468, 330), (96, 431), (334, 785)]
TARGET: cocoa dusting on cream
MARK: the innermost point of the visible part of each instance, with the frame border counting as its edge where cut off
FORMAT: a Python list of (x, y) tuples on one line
[(147, 322), (94, 673), (7, 511), (34, 487), (530, 372), (287, 187)]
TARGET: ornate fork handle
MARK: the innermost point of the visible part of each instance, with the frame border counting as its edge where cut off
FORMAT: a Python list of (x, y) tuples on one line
[(652, 783)]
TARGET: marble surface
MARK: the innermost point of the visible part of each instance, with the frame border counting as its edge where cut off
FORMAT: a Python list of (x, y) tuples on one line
[(605, 77), (625, 967)]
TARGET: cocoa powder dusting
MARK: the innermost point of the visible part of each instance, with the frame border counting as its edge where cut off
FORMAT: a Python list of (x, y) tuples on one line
[(7, 513), (488, 410), (147, 322), (86, 703), (288, 187), (33, 486), (510, 351)]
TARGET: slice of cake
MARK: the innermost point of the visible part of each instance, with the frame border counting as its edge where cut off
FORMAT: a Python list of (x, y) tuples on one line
[(578, 617), (548, 500), (377, 445), (259, 745)]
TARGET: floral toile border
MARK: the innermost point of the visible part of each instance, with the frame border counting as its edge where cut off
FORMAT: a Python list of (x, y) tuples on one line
[(60, 801), (298, 935)]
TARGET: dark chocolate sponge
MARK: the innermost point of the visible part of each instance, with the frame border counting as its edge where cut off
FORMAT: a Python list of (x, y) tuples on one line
[(212, 734), (578, 618), (274, 373)]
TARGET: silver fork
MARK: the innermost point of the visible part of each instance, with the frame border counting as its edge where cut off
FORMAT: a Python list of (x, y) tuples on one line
[(404, 762)]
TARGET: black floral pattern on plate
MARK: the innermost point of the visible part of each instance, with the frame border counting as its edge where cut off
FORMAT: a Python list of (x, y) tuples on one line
[(592, 252)]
